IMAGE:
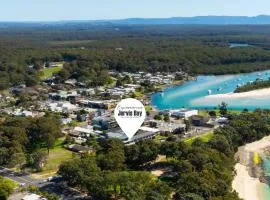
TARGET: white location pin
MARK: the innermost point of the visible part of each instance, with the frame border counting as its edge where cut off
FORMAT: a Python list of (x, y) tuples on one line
[(130, 114)]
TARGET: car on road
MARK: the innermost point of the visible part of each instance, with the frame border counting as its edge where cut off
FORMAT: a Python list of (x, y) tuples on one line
[(22, 184)]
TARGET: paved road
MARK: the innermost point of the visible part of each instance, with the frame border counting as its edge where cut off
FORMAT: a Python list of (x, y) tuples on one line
[(56, 186), (19, 177)]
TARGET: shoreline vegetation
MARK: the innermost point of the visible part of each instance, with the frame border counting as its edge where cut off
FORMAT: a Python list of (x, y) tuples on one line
[(259, 84), (250, 180)]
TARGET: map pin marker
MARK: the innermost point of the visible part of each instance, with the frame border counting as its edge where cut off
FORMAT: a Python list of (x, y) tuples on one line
[(129, 114)]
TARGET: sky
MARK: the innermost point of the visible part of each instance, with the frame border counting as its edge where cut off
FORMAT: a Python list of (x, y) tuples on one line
[(55, 10)]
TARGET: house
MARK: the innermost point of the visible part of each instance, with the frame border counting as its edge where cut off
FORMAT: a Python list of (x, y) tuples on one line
[(71, 82), (53, 64), (119, 134), (104, 122), (118, 49), (64, 107), (132, 86), (98, 104), (144, 133), (66, 121), (24, 113), (222, 120), (198, 120), (63, 95), (82, 117), (165, 127), (83, 132), (117, 94), (17, 89), (149, 129), (79, 148), (86, 92)]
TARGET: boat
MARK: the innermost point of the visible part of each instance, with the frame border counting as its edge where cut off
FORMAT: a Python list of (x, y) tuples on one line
[(209, 92), (219, 89)]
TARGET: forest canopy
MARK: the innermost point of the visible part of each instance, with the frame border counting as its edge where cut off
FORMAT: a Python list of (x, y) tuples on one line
[(90, 51)]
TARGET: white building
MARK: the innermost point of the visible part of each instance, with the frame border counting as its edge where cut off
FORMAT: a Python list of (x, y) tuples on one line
[(184, 113)]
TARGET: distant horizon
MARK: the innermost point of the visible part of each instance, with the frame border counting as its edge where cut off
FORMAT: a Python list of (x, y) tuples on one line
[(67, 10), (129, 18)]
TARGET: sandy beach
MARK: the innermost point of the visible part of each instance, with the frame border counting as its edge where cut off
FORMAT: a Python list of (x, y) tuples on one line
[(250, 94), (252, 98), (249, 188)]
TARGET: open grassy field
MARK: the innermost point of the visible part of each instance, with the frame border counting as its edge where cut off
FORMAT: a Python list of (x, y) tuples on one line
[(205, 112), (204, 137), (56, 156), (48, 72)]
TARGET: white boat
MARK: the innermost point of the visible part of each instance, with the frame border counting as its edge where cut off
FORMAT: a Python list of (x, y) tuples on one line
[(209, 92)]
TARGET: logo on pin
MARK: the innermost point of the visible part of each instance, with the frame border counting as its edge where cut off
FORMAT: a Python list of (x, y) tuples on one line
[(130, 114)]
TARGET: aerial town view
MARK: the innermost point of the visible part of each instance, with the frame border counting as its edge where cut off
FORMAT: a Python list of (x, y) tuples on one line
[(139, 100)]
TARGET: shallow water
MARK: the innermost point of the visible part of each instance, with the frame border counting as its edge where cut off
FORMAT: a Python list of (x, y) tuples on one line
[(234, 45), (189, 94), (266, 189)]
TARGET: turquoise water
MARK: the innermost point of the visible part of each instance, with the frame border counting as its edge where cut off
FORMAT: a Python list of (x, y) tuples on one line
[(234, 45), (266, 189), (191, 94)]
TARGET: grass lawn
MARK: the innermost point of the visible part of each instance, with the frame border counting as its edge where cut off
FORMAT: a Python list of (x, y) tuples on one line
[(205, 112), (204, 137), (148, 108), (139, 94), (112, 83), (48, 72), (158, 138), (57, 155)]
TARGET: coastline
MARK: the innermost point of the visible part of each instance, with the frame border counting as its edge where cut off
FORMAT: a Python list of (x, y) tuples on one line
[(244, 99), (254, 93), (249, 175), (247, 187)]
